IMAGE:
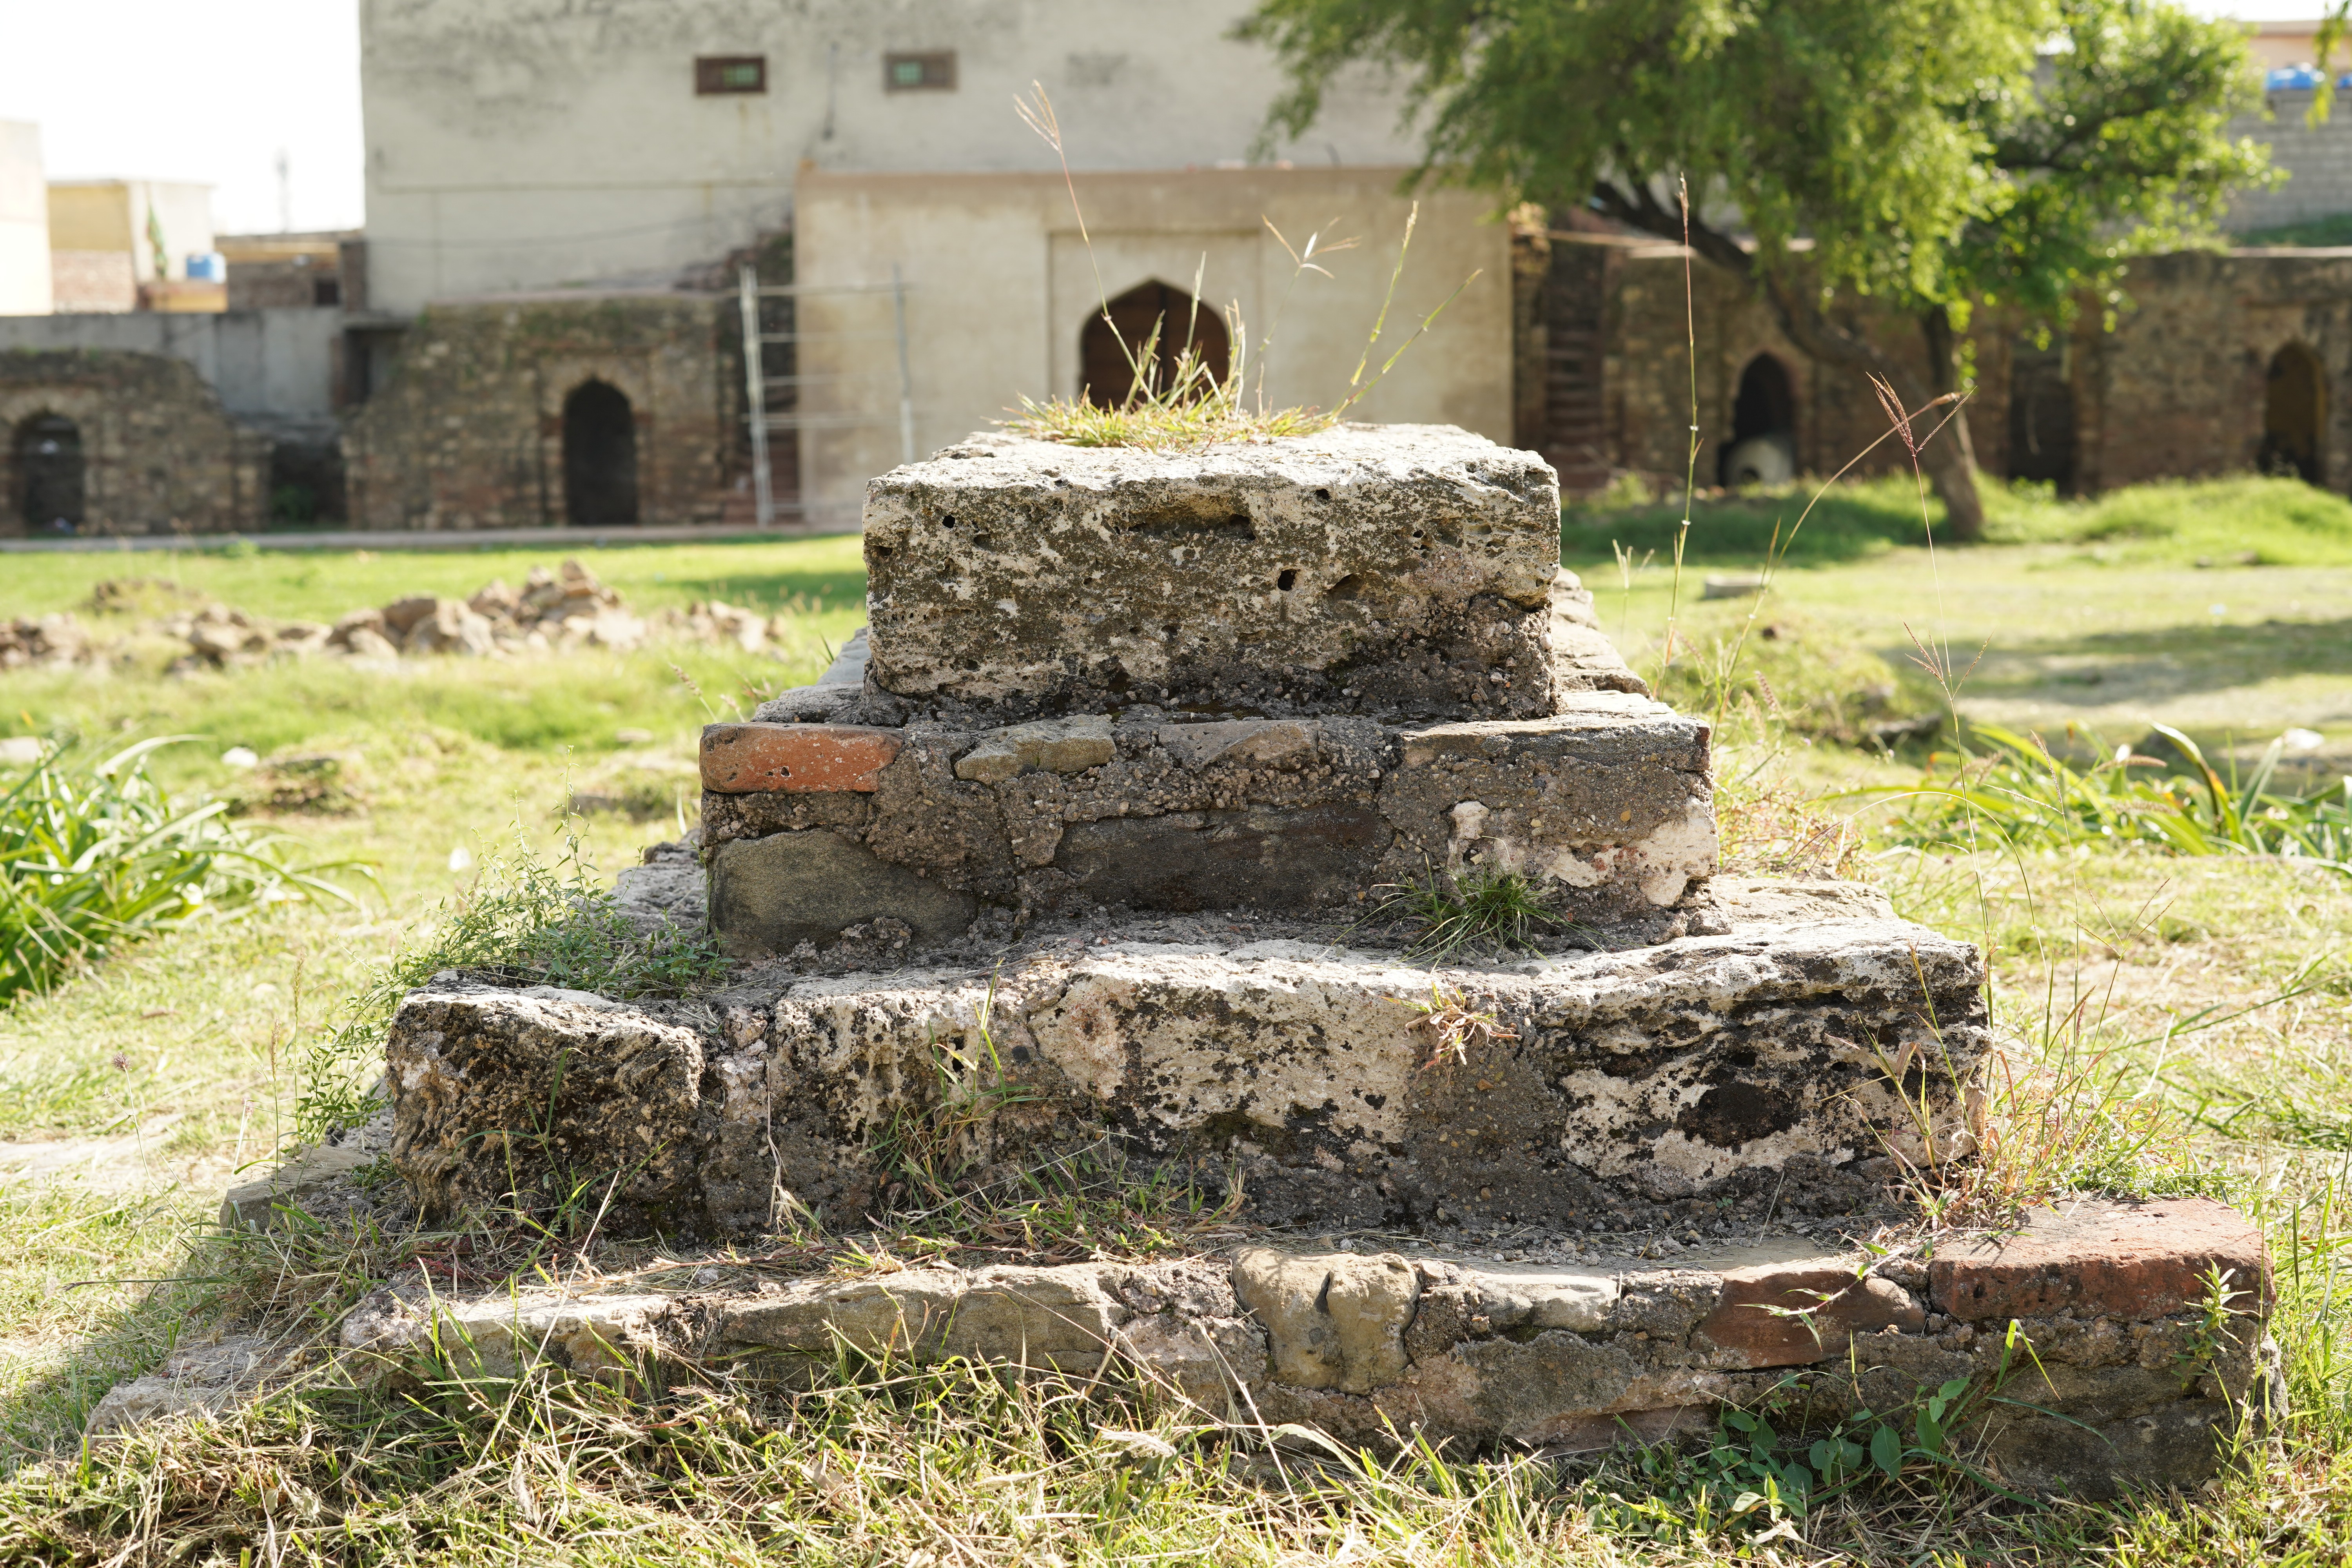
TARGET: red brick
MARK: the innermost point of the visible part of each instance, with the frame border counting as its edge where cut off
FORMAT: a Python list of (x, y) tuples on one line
[(2103, 1258), (750, 759), (1741, 1325)]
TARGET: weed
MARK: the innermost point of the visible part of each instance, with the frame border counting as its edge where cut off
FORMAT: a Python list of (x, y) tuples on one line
[(1478, 909), (1453, 1026), (2020, 791), (92, 857)]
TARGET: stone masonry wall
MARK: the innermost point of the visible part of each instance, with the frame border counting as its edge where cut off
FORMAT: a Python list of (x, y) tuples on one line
[(160, 453), (2176, 390), (469, 432)]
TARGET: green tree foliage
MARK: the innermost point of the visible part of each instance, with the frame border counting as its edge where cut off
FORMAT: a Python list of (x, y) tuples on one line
[(1933, 160)]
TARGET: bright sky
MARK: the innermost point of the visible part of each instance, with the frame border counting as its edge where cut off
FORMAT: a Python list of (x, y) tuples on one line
[(196, 90), (212, 90)]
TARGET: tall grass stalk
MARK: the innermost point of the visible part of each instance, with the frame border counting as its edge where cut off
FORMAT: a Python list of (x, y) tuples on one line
[(95, 856), (1191, 406)]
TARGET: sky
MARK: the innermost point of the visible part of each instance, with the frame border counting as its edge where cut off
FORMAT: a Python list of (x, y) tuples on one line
[(213, 90), (208, 90)]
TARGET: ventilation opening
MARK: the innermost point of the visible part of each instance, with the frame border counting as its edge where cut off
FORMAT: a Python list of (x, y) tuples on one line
[(1106, 377), (50, 474), (599, 457), (1763, 446), (2295, 411), (2042, 416)]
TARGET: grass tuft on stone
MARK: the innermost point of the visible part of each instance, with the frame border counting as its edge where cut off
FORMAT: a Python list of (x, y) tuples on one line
[(1477, 911)]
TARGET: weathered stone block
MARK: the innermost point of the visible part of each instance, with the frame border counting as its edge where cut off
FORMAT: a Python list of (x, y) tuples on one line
[(1427, 1341), (1604, 806), (1397, 569), (533, 1097), (795, 759), (768, 895), (301, 1175)]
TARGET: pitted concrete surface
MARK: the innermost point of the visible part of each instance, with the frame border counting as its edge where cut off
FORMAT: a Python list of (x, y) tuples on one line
[(1333, 1082), (1400, 570)]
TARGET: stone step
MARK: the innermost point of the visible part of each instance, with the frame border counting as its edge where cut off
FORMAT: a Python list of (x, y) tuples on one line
[(811, 829), (2093, 1354), (1807, 1032), (1400, 571)]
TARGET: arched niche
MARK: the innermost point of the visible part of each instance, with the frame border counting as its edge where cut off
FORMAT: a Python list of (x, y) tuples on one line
[(1106, 374), (1763, 445), (600, 456), (2295, 415), (52, 474)]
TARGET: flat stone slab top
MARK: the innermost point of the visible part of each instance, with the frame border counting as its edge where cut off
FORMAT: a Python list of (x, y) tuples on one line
[(2118, 1379), (1397, 569), (1333, 1084), (1604, 806)]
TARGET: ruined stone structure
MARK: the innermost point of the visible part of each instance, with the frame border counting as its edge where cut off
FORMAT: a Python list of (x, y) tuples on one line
[(122, 443), (2219, 361), (1071, 871), (539, 411)]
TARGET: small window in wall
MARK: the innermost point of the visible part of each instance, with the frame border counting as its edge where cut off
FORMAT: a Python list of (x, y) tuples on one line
[(933, 71), (716, 74)]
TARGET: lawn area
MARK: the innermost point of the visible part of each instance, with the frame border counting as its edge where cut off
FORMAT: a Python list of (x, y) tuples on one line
[(2194, 1012)]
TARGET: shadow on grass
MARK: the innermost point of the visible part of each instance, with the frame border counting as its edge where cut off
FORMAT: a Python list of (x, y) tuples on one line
[(2167, 660), (1847, 525)]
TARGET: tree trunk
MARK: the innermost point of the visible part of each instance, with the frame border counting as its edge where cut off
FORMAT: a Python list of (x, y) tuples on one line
[(1951, 460)]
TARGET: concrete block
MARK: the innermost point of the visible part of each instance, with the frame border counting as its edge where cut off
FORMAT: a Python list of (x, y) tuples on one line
[(1397, 569)]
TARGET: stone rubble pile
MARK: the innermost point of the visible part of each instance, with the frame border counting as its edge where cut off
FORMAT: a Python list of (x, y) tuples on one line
[(47, 640), (552, 612)]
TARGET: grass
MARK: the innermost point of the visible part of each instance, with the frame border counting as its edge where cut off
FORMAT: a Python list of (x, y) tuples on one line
[(2320, 231), (2179, 1023), (2238, 520)]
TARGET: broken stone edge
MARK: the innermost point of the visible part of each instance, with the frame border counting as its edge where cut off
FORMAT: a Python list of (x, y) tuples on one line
[(2120, 1381)]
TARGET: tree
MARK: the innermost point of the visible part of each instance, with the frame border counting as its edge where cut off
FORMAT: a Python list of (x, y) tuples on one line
[(1934, 160)]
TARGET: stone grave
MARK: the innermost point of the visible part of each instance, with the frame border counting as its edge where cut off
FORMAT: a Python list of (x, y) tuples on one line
[(1082, 856)]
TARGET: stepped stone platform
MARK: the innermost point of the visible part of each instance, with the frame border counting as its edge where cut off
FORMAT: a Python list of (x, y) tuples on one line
[(2084, 1333), (1082, 870), (1333, 1083)]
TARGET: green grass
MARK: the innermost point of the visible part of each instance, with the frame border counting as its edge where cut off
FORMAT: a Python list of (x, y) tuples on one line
[(2225, 522), (2320, 231), (322, 584)]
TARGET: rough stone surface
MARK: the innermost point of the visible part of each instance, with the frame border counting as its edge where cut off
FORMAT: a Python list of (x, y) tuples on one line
[(198, 1379), (1337, 1084), (1372, 1348), (769, 895), (2096, 1259), (795, 759), (521, 1096), (255, 1205), (1397, 569), (1605, 805)]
